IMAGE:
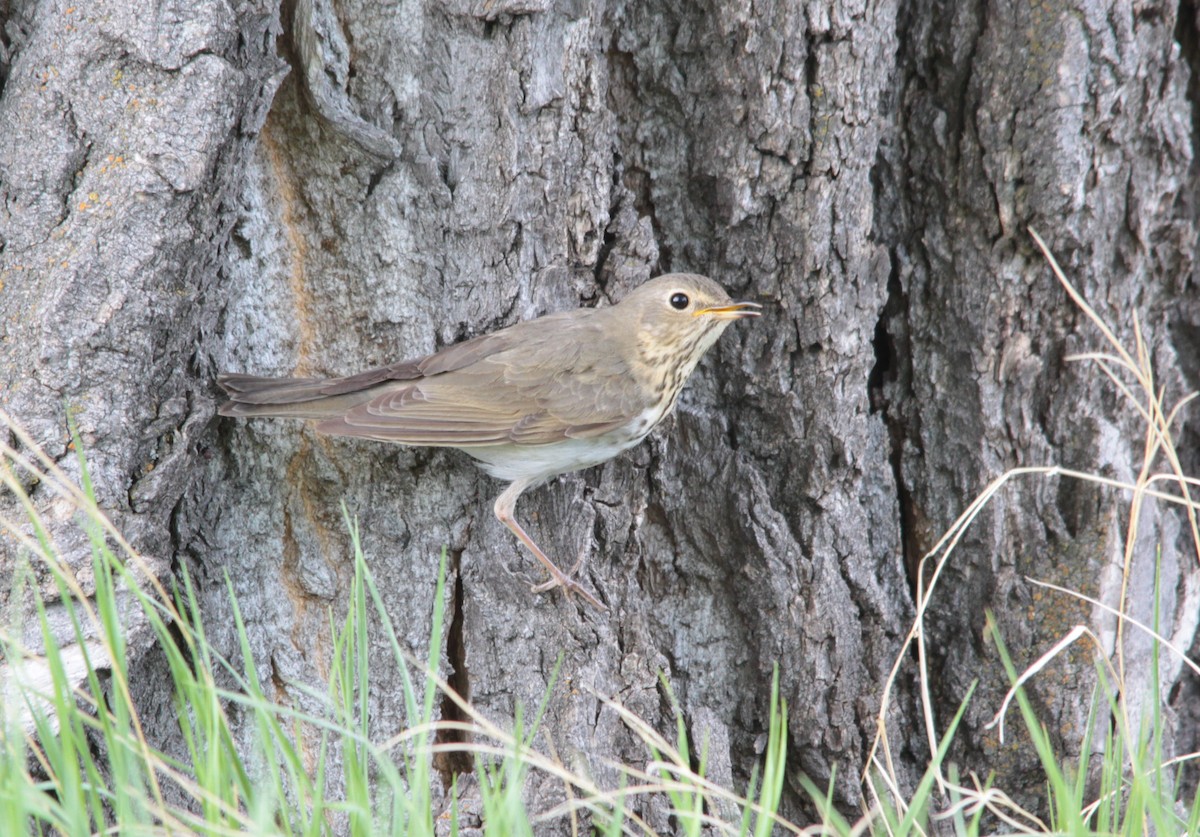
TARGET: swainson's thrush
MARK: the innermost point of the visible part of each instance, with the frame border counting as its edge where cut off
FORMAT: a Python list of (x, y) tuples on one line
[(563, 392)]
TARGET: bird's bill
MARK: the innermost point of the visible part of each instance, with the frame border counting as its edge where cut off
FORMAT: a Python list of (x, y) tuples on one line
[(734, 311)]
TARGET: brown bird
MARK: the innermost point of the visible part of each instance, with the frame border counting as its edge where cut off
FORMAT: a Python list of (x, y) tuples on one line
[(537, 399)]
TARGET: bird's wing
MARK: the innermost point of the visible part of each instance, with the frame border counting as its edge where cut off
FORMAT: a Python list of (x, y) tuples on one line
[(533, 387), (447, 360)]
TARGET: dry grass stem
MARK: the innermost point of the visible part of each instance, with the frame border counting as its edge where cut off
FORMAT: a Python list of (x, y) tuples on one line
[(1158, 443)]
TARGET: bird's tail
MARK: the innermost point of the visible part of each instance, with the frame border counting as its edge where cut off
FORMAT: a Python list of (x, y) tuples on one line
[(303, 398)]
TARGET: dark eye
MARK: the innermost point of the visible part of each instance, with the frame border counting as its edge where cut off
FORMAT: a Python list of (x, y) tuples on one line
[(679, 301)]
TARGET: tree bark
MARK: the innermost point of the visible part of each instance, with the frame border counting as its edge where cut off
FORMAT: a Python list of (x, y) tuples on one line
[(1078, 122), (174, 206)]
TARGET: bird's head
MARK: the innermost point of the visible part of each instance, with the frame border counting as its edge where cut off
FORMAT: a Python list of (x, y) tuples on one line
[(678, 317)]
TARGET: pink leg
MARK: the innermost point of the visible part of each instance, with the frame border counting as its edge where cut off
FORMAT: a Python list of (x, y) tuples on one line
[(505, 504)]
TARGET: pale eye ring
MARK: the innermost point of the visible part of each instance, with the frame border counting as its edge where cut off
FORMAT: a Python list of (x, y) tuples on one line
[(679, 300)]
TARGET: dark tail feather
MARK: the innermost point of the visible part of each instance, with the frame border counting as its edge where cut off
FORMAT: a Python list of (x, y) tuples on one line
[(252, 389), (307, 398)]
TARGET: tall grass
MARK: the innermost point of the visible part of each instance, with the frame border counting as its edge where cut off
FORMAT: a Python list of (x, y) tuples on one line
[(76, 758)]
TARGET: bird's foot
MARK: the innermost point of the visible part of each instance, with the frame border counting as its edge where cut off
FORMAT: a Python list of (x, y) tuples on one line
[(569, 586)]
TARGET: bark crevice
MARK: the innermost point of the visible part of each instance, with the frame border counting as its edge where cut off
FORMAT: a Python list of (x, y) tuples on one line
[(452, 764)]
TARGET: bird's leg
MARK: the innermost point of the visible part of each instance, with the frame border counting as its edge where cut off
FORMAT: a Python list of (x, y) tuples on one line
[(505, 504)]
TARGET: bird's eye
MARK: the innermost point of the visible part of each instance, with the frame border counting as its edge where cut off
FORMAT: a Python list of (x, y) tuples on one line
[(679, 301)]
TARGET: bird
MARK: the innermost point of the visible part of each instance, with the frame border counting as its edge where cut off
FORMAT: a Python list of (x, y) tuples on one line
[(544, 397)]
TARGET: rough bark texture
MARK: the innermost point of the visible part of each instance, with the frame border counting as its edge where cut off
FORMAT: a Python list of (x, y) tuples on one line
[(1077, 121), (171, 205)]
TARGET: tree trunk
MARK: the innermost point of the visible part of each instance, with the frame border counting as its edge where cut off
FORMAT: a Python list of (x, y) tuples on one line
[(1076, 121), (174, 206)]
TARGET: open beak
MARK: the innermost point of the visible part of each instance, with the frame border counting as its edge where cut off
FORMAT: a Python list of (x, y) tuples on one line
[(734, 311)]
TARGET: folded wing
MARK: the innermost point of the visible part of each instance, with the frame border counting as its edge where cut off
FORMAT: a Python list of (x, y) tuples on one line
[(525, 385)]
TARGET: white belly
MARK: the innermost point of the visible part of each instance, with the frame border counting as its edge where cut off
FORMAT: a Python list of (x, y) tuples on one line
[(540, 462)]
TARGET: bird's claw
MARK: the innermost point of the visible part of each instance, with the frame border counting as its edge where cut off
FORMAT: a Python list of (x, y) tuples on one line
[(569, 586)]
